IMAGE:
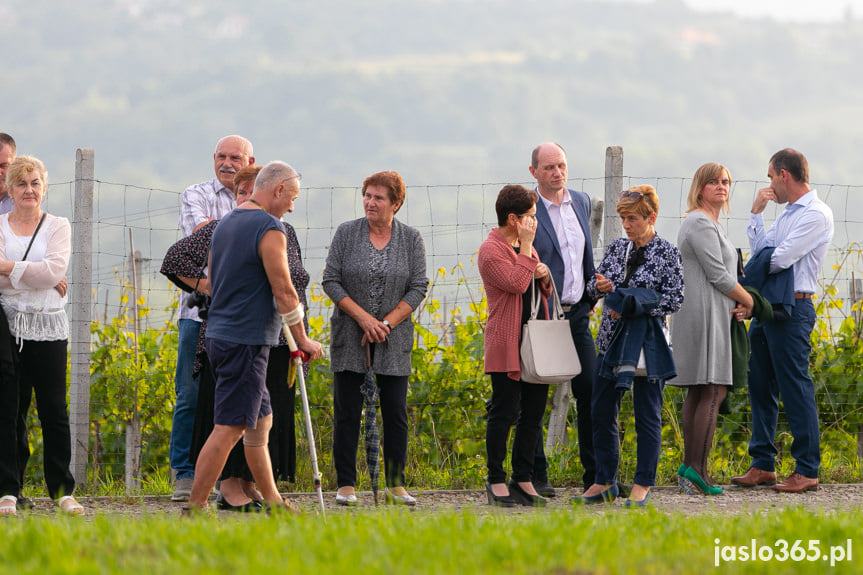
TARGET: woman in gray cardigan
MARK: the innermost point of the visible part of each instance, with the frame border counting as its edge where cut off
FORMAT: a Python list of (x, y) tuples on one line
[(376, 276), (701, 330)]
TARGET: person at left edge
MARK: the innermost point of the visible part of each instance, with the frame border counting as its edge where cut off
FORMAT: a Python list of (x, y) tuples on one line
[(8, 149)]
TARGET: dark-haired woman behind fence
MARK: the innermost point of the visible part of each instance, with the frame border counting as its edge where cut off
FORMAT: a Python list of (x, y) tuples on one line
[(508, 265)]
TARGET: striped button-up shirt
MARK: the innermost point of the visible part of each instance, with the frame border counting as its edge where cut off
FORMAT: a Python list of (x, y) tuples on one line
[(199, 204)]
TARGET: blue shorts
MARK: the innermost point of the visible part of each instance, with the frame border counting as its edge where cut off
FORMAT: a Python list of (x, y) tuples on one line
[(241, 382)]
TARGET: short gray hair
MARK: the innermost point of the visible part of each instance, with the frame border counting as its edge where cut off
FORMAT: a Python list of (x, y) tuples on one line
[(273, 174)]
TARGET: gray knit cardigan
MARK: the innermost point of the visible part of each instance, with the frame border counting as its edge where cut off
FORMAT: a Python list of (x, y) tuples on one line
[(347, 274)]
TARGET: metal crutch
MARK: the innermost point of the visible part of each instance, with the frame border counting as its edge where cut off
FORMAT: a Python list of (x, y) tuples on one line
[(297, 358)]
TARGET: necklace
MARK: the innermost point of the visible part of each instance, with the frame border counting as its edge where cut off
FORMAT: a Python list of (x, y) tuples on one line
[(257, 203)]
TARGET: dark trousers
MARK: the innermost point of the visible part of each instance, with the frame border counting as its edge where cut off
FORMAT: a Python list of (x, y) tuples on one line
[(582, 388), (42, 369), (779, 365), (647, 405), (13, 427), (347, 413), (513, 401)]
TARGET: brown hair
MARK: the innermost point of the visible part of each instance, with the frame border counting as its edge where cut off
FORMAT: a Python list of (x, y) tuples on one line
[(393, 183), (513, 199), (246, 174), (792, 162)]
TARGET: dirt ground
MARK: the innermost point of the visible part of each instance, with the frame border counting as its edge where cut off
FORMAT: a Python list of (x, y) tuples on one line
[(665, 498)]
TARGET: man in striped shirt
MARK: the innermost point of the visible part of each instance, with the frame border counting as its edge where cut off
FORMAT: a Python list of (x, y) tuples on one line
[(200, 203)]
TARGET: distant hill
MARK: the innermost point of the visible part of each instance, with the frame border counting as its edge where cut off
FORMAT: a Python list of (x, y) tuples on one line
[(444, 91)]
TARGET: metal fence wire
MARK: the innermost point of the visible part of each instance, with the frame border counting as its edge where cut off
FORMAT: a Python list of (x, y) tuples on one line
[(122, 231)]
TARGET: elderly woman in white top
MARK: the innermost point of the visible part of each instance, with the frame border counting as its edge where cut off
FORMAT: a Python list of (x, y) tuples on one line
[(34, 255)]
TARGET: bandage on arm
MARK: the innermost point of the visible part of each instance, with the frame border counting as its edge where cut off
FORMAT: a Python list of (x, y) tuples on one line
[(289, 319)]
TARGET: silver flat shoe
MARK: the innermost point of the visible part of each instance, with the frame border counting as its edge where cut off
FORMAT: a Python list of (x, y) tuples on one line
[(347, 500), (405, 499)]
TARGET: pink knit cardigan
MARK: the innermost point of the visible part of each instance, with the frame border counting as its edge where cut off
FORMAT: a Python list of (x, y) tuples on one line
[(505, 277)]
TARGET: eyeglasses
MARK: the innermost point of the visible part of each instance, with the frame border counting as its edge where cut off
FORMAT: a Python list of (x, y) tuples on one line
[(529, 216), (715, 182), (631, 195)]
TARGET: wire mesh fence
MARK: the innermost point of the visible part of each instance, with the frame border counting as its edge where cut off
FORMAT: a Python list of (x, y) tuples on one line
[(134, 225)]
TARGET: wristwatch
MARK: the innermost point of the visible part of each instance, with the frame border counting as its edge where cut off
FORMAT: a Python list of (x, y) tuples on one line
[(386, 323)]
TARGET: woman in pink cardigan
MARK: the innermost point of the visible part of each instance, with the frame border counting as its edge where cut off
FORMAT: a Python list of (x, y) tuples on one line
[(508, 264)]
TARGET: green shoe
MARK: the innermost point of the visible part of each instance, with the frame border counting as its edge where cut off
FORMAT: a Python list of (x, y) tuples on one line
[(685, 485), (696, 479)]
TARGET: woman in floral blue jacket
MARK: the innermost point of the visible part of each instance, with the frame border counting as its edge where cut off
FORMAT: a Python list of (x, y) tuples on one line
[(646, 261)]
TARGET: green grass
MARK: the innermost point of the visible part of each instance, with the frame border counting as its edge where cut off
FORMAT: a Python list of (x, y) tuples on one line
[(400, 541)]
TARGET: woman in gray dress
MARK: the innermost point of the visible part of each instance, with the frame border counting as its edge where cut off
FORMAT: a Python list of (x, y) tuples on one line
[(376, 276), (701, 330)]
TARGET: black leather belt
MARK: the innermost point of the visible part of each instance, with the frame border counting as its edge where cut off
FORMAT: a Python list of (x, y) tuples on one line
[(567, 307)]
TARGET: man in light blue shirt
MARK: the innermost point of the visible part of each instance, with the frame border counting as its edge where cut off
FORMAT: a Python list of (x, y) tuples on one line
[(779, 364)]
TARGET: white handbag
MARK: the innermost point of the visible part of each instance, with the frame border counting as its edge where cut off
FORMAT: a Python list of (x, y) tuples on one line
[(548, 354)]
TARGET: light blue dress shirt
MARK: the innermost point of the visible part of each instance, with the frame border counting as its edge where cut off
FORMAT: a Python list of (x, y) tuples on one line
[(801, 235)]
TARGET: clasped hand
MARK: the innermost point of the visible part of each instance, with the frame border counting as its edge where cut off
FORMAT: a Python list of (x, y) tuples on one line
[(374, 331)]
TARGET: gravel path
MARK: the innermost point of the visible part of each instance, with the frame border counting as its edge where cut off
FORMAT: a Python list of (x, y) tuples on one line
[(665, 498)]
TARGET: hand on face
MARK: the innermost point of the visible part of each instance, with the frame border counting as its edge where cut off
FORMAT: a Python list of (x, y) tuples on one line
[(526, 229), (763, 196)]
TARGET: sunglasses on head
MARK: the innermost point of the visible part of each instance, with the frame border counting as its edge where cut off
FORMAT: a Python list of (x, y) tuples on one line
[(626, 195)]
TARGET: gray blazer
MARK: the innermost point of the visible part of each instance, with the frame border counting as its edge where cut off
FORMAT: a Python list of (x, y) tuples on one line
[(347, 274)]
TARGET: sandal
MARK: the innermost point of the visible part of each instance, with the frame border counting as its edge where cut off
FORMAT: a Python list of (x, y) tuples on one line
[(7, 505), (69, 506)]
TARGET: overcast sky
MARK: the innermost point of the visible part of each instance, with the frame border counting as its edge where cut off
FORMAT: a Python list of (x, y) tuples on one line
[(790, 10)]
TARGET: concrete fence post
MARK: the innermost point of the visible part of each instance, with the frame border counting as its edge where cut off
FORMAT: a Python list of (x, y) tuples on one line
[(80, 285)]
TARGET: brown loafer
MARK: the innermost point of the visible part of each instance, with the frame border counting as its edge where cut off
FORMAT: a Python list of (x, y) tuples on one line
[(755, 476), (797, 483)]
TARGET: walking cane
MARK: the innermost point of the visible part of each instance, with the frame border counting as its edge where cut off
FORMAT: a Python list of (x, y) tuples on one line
[(297, 358)]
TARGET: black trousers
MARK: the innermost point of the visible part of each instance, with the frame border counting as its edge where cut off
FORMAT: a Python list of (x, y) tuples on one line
[(513, 401), (13, 428), (347, 413), (42, 369)]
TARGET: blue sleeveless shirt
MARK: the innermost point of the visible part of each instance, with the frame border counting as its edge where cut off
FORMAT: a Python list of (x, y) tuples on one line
[(243, 309)]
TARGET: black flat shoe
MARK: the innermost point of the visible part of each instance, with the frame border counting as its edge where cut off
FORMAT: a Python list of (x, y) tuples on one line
[(250, 507), (499, 500), (544, 488), (522, 497), (25, 503)]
